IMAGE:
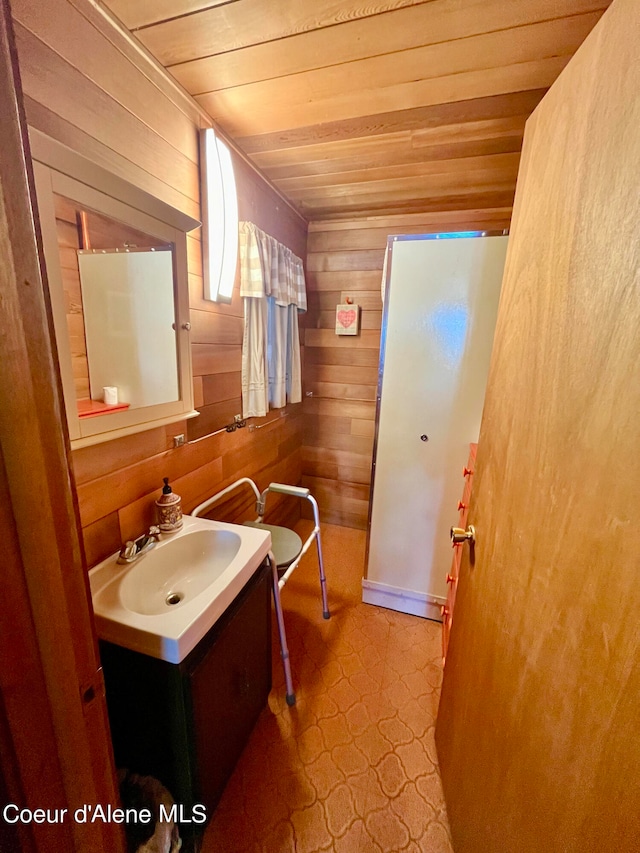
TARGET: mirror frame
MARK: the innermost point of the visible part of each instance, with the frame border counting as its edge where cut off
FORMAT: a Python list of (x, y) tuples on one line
[(59, 170)]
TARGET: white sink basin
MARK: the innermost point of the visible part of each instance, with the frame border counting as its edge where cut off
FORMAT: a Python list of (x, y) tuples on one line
[(165, 602), (175, 573)]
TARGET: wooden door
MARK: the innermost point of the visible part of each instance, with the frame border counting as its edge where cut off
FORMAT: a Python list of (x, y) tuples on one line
[(538, 731), (54, 736)]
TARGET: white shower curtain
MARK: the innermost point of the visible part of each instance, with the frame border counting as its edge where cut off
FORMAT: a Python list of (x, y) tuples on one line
[(273, 289)]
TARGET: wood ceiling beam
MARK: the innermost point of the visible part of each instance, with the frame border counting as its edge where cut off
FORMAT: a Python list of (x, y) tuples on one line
[(471, 139), (451, 219), (389, 157), (472, 168), (416, 203), (393, 121), (405, 188)]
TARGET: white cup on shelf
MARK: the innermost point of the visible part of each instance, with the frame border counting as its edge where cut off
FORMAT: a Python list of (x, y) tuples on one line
[(110, 395)]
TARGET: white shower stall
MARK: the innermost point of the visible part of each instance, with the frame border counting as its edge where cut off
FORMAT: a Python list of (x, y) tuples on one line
[(440, 306)]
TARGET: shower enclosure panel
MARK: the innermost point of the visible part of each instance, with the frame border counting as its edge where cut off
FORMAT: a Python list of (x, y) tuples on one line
[(441, 303)]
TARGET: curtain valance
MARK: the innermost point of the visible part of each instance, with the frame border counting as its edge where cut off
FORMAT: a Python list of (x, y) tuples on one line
[(268, 268), (273, 289)]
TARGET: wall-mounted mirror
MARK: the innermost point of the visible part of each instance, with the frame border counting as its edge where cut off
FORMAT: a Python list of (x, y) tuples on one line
[(116, 265)]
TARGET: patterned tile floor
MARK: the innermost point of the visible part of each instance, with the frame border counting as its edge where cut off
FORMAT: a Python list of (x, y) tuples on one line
[(352, 767)]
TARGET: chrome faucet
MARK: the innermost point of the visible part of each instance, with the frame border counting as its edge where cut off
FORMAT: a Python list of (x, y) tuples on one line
[(135, 548)]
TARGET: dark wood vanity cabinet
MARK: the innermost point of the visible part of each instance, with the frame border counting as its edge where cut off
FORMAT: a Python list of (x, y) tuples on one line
[(186, 724)]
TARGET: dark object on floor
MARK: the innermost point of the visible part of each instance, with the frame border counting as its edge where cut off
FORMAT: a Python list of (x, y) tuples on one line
[(145, 792)]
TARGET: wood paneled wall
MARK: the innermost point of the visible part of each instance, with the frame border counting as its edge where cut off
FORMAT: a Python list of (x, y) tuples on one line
[(345, 258), (118, 482), (91, 90)]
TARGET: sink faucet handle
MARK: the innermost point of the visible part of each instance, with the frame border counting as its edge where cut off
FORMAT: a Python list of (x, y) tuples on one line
[(128, 550), (154, 531)]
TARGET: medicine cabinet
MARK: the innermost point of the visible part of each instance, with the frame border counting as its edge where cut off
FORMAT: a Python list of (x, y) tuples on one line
[(116, 261)]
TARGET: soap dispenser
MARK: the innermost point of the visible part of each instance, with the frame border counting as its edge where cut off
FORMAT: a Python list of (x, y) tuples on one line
[(169, 509)]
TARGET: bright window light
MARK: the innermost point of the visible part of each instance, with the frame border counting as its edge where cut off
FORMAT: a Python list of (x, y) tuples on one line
[(220, 218)]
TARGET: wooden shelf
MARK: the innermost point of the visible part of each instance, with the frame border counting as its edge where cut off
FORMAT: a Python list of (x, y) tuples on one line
[(92, 408)]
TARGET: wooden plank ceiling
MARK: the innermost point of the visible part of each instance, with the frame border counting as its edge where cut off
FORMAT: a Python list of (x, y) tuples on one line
[(357, 109)]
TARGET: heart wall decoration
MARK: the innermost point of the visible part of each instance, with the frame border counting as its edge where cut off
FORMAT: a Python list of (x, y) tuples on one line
[(347, 319)]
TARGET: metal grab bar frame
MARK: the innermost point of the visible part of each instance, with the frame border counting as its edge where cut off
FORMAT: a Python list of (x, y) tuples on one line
[(279, 582)]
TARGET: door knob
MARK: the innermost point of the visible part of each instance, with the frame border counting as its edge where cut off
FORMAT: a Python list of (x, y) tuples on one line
[(459, 536)]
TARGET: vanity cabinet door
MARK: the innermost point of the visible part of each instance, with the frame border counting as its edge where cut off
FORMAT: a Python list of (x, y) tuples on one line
[(228, 687)]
